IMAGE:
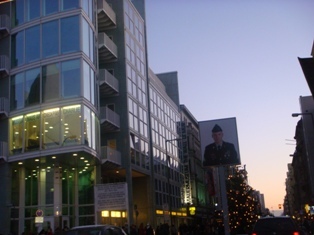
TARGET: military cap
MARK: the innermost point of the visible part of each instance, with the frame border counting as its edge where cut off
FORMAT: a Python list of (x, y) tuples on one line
[(216, 128)]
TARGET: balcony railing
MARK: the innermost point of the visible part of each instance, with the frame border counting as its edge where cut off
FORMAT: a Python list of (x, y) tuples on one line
[(109, 119), (3, 151), (4, 107), (110, 155), (106, 16), (109, 85), (4, 65), (108, 50)]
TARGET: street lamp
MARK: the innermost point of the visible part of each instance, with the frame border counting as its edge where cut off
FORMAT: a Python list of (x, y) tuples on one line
[(168, 176), (301, 114)]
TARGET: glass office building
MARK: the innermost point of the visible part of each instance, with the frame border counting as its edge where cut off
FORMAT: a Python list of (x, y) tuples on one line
[(79, 107)]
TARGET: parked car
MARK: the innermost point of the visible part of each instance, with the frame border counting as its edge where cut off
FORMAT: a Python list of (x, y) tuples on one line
[(104, 229), (282, 225)]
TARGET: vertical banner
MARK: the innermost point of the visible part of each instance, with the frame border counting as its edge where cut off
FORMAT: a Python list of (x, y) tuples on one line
[(219, 142)]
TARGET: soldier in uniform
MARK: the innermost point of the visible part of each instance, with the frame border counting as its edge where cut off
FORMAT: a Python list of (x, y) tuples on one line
[(219, 152)]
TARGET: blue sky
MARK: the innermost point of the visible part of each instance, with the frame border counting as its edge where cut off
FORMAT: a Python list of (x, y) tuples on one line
[(239, 58)]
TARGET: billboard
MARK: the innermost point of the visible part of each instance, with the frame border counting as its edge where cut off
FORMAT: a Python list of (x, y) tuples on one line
[(219, 142)]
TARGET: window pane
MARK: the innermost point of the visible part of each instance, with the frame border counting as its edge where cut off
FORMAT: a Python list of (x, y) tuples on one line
[(87, 127), (71, 126), (18, 49), (16, 140), (93, 139), (32, 43), (86, 80), (85, 39), (51, 128), (50, 83), (50, 6), (70, 34), (50, 39), (92, 84), (17, 99), (19, 12), (32, 131), (32, 9), (71, 78), (70, 4), (32, 87)]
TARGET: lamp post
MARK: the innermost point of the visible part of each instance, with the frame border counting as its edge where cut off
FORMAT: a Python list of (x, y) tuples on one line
[(168, 176)]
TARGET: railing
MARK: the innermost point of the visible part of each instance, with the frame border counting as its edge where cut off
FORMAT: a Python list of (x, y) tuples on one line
[(104, 75), (4, 105), (103, 5), (4, 63), (109, 115), (4, 150), (110, 154), (104, 40)]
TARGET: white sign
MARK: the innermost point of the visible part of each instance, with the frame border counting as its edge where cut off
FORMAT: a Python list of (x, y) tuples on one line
[(112, 196)]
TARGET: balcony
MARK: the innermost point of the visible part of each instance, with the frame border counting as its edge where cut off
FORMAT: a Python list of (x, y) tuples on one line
[(3, 151), (106, 16), (4, 26), (108, 84), (4, 107), (4, 65), (110, 121), (108, 51), (110, 158)]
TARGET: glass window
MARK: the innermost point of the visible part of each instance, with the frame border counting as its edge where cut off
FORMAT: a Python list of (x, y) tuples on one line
[(92, 84), (70, 34), (86, 80), (32, 87), (50, 82), (85, 35), (50, 39), (18, 49), (32, 131), (32, 9), (51, 128), (50, 6), (71, 125), (71, 79), (91, 45), (70, 4), (87, 127), (16, 91), (93, 139), (19, 12), (16, 135), (32, 42)]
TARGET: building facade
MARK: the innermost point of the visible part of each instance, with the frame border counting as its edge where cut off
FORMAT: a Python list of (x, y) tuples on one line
[(79, 107)]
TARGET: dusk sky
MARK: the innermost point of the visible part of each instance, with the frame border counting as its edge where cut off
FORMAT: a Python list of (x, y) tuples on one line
[(239, 59)]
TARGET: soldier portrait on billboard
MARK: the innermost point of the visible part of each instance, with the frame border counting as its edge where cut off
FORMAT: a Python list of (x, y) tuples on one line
[(219, 152)]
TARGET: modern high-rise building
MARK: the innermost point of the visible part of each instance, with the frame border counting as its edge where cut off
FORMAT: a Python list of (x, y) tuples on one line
[(79, 107)]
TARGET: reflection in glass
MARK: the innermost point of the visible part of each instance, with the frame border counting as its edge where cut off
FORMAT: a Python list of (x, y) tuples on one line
[(50, 39), (71, 78), (32, 87), (70, 4), (32, 131), (50, 6), (16, 135), (70, 34), (32, 9), (32, 43), (19, 12), (51, 128), (18, 49), (16, 91), (50, 83), (71, 125), (86, 80)]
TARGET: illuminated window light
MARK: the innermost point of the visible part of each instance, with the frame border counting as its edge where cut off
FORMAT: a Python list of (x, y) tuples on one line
[(104, 213), (16, 118), (115, 214), (159, 212)]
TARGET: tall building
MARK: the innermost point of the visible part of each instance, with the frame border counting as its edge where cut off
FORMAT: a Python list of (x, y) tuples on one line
[(79, 107)]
